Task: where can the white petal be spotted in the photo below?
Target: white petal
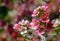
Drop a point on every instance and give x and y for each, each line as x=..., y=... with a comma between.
x=13, y=27
x=16, y=24
x=26, y=21
x=19, y=23
x=25, y=31
x=22, y=33
x=22, y=21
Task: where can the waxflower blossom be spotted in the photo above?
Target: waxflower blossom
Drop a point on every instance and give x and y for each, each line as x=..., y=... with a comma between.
x=37, y=10
x=21, y=26
x=42, y=12
x=23, y=30
x=37, y=33
x=44, y=18
x=38, y=25
x=34, y=24
x=29, y=29
x=16, y=26
x=24, y=22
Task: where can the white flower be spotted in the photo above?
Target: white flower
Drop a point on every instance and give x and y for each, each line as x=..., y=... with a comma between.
x=23, y=30
x=23, y=22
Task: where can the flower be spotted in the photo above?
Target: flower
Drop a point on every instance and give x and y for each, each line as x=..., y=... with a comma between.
x=35, y=13
x=16, y=26
x=23, y=22
x=41, y=29
x=37, y=10
x=40, y=35
x=21, y=26
x=34, y=24
x=44, y=18
x=23, y=30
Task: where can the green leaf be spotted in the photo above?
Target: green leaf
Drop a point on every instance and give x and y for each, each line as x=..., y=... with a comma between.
x=54, y=33
x=1, y=31
x=3, y=11
x=57, y=28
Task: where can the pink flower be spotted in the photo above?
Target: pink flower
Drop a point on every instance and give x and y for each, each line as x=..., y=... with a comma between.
x=37, y=11
x=43, y=18
x=16, y=26
x=41, y=29
x=34, y=24
x=37, y=33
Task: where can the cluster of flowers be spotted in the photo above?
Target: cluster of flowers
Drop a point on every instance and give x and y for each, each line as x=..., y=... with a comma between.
x=30, y=30
x=36, y=29
x=30, y=26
